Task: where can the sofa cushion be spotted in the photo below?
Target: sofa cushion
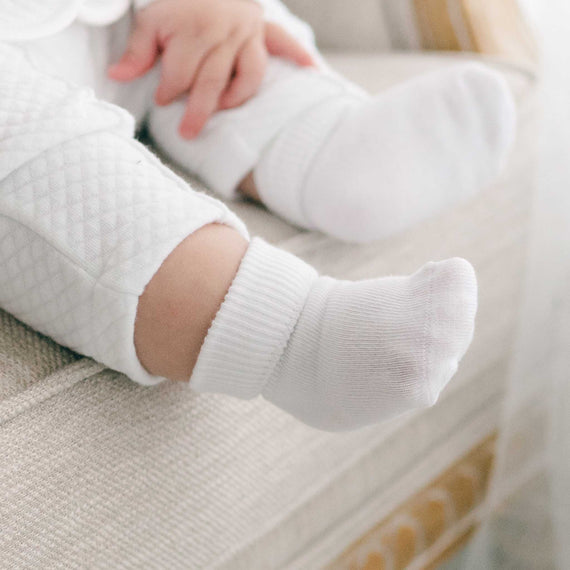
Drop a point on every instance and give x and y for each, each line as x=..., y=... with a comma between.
x=98, y=472
x=26, y=356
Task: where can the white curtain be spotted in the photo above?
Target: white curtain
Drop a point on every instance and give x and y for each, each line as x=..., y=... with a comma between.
x=526, y=520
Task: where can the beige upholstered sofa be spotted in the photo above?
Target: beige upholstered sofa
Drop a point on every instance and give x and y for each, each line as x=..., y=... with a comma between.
x=99, y=473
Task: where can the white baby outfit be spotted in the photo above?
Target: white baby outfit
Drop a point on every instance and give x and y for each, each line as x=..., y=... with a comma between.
x=87, y=216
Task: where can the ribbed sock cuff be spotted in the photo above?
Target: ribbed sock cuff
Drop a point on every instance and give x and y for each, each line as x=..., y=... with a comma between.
x=285, y=164
x=254, y=323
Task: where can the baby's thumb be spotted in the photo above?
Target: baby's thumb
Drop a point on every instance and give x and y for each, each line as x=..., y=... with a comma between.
x=139, y=57
x=281, y=44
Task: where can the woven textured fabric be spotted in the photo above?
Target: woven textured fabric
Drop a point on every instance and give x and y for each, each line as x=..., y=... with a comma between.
x=99, y=473
x=27, y=356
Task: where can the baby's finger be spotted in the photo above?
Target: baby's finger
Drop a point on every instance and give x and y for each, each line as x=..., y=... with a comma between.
x=139, y=57
x=281, y=44
x=249, y=71
x=211, y=81
x=180, y=63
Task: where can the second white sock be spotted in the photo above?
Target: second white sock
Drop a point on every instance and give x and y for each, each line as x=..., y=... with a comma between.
x=364, y=169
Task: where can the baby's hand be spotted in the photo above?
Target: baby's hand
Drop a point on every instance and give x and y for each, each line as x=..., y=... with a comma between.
x=215, y=49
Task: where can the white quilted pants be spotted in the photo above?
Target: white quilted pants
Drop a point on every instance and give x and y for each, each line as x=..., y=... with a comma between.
x=87, y=214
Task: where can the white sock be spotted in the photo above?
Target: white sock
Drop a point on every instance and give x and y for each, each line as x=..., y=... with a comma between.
x=361, y=169
x=337, y=355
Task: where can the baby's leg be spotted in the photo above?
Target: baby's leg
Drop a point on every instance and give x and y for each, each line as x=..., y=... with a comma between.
x=87, y=216
x=180, y=302
x=109, y=253
x=323, y=154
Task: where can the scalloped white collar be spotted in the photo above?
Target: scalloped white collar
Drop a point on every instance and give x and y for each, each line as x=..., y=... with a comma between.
x=31, y=19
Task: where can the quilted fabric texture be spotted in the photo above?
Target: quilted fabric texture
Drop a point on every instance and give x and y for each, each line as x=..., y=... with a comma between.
x=87, y=215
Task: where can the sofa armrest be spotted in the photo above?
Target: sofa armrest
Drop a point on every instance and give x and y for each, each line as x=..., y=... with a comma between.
x=491, y=27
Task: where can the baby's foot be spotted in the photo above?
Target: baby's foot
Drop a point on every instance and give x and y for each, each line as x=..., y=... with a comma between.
x=338, y=355
x=361, y=170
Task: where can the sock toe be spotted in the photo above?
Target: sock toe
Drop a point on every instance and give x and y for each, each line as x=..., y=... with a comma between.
x=451, y=319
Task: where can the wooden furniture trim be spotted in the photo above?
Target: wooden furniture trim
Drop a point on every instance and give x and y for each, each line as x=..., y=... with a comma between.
x=432, y=524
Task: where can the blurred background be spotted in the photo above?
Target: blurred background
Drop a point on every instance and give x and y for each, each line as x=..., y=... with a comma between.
x=524, y=521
